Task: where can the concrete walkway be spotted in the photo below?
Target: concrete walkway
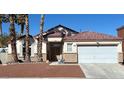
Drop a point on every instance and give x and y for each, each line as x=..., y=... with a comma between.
x=103, y=71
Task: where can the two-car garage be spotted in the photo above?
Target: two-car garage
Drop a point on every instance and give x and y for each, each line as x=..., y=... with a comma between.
x=94, y=47
x=97, y=54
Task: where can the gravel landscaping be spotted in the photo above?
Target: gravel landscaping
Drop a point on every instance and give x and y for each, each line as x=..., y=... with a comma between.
x=40, y=70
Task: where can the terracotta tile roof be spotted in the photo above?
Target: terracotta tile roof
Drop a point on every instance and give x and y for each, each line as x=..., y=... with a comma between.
x=91, y=36
x=55, y=34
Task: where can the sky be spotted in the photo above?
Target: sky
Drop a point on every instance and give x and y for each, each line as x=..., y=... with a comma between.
x=103, y=23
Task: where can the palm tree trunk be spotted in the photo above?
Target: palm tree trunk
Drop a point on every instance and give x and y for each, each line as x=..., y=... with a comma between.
x=27, y=57
x=22, y=29
x=0, y=25
x=13, y=38
x=40, y=56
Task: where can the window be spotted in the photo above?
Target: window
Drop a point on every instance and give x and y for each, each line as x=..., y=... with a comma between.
x=69, y=47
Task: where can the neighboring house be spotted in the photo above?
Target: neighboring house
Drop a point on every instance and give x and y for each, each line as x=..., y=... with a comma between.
x=64, y=43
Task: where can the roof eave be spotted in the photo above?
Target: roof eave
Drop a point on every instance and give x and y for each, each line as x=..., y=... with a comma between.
x=93, y=40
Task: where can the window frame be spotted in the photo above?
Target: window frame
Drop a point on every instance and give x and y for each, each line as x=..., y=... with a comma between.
x=69, y=47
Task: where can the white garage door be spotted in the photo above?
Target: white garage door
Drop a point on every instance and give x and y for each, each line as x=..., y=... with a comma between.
x=97, y=54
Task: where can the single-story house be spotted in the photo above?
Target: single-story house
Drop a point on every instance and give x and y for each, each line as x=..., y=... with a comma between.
x=61, y=42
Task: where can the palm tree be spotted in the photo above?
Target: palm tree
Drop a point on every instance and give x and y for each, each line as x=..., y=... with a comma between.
x=27, y=57
x=40, y=57
x=21, y=22
x=12, y=18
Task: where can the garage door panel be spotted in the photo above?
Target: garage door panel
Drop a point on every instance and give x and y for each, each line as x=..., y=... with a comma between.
x=94, y=54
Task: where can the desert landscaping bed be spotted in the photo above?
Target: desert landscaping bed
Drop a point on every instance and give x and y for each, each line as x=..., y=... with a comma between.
x=40, y=70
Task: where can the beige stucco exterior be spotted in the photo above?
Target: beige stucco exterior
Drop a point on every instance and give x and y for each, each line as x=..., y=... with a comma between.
x=34, y=47
x=18, y=46
x=69, y=57
x=9, y=49
x=54, y=39
x=75, y=44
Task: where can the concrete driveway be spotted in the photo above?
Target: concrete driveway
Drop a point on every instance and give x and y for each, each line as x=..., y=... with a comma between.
x=103, y=71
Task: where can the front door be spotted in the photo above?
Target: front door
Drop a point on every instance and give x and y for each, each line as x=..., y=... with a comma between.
x=55, y=50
